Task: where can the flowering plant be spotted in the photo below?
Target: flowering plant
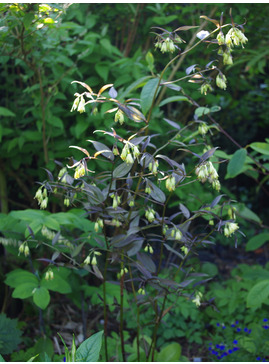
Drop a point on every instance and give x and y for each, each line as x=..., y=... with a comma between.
x=134, y=203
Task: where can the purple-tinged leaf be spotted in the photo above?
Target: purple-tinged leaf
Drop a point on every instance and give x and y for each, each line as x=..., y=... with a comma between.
x=113, y=93
x=186, y=27
x=143, y=270
x=122, y=170
x=168, y=247
x=186, y=283
x=56, y=237
x=190, y=69
x=146, y=261
x=55, y=255
x=102, y=147
x=172, y=123
x=208, y=154
x=135, y=247
x=184, y=210
x=216, y=201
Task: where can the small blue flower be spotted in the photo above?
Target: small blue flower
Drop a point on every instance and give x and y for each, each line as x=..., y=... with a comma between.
x=235, y=342
x=238, y=329
x=232, y=325
x=218, y=324
x=249, y=331
x=225, y=354
x=223, y=327
x=230, y=351
x=265, y=320
x=222, y=347
x=246, y=329
x=219, y=357
x=265, y=327
x=64, y=359
x=235, y=348
x=236, y=322
x=258, y=358
x=217, y=346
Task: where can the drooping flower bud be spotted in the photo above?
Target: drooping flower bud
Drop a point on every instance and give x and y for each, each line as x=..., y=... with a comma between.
x=221, y=81
x=81, y=105
x=119, y=117
x=205, y=88
x=203, y=128
x=170, y=183
x=230, y=228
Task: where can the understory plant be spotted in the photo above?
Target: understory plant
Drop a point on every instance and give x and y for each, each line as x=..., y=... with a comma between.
x=132, y=183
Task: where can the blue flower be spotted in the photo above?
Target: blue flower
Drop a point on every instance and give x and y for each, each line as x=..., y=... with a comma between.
x=235, y=348
x=217, y=346
x=265, y=320
x=246, y=329
x=238, y=329
x=222, y=347
x=235, y=342
x=230, y=351
x=218, y=324
x=236, y=322
x=258, y=358
x=232, y=325
x=265, y=327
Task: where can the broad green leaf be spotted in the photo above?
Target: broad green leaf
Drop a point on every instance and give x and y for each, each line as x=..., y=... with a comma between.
x=25, y=290
x=150, y=60
x=258, y=294
x=262, y=148
x=162, y=20
x=6, y=112
x=245, y=212
x=171, y=352
x=215, y=108
x=257, y=241
x=102, y=68
x=1, y=358
x=200, y=111
x=51, y=223
x=122, y=170
x=236, y=164
x=173, y=99
x=41, y=297
x=27, y=19
x=57, y=284
x=147, y=94
x=19, y=276
x=89, y=350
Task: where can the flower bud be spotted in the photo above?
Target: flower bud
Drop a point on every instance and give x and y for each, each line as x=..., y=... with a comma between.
x=119, y=117
x=221, y=38
x=66, y=202
x=94, y=261
x=100, y=223
x=129, y=159
x=170, y=183
x=221, y=81
x=136, y=152
x=75, y=104
x=205, y=88
x=21, y=249
x=44, y=204
x=125, y=152
x=203, y=128
x=26, y=250
x=96, y=227
x=87, y=260
x=227, y=58
x=178, y=235
x=141, y=291
x=80, y=171
x=81, y=105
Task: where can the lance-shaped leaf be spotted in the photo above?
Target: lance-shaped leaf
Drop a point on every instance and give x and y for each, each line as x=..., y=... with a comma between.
x=156, y=193
x=168, y=247
x=211, y=20
x=146, y=261
x=186, y=27
x=103, y=149
x=132, y=113
x=83, y=150
x=105, y=87
x=147, y=94
x=84, y=85
x=208, y=154
x=122, y=170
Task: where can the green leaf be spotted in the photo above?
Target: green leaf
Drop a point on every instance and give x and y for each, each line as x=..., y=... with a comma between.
x=89, y=350
x=257, y=241
x=245, y=212
x=57, y=284
x=6, y=112
x=27, y=19
x=236, y=164
x=122, y=170
x=173, y=99
x=262, y=148
x=200, y=111
x=25, y=290
x=19, y=276
x=150, y=60
x=102, y=68
x=147, y=94
x=258, y=294
x=171, y=352
x=1, y=358
x=41, y=297
x=51, y=223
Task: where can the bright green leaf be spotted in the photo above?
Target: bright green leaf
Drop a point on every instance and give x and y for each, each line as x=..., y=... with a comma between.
x=89, y=350
x=257, y=241
x=173, y=99
x=171, y=352
x=41, y=297
x=6, y=112
x=258, y=294
x=236, y=164
x=25, y=290
x=19, y=276
x=262, y=148
x=147, y=94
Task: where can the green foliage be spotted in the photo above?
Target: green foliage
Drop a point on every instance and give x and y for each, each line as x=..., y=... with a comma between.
x=10, y=335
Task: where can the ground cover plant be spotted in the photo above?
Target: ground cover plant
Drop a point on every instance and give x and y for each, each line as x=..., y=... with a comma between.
x=142, y=205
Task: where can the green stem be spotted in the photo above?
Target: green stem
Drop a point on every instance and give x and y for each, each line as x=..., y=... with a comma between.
x=121, y=310
x=3, y=193
x=105, y=308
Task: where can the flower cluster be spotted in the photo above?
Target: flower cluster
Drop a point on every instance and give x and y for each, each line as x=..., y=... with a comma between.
x=91, y=258
x=80, y=171
x=42, y=197
x=49, y=275
x=207, y=172
x=150, y=215
x=98, y=224
x=230, y=228
x=119, y=117
x=205, y=88
x=235, y=37
x=129, y=153
x=24, y=249
x=79, y=103
x=166, y=45
x=170, y=183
